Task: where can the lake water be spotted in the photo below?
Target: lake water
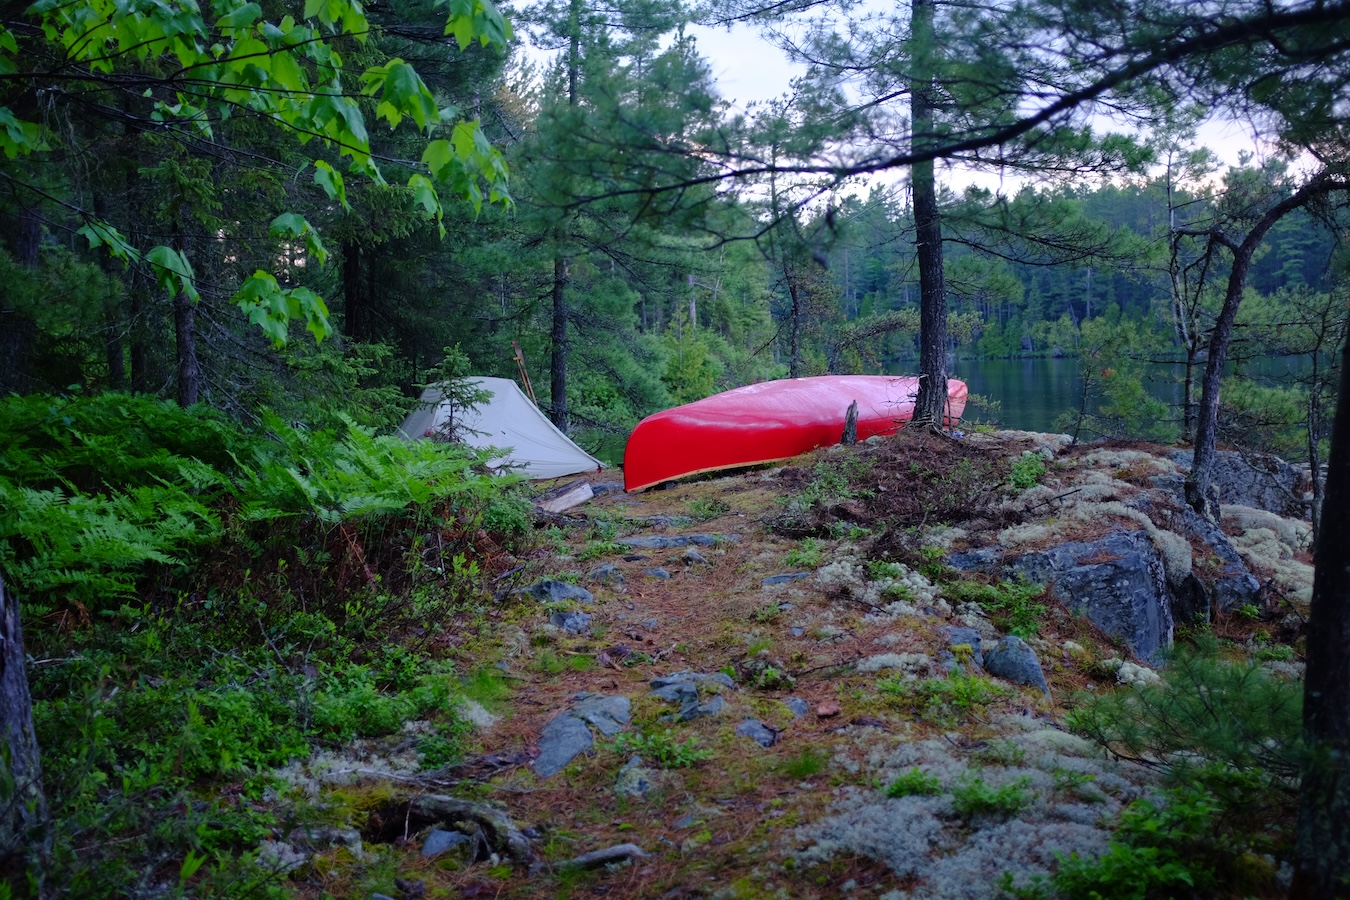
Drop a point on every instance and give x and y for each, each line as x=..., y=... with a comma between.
x=1033, y=393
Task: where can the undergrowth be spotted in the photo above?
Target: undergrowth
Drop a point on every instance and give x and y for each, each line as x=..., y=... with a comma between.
x=210, y=606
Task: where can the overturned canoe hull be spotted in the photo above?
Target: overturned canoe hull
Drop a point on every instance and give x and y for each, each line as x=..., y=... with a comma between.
x=770, y=421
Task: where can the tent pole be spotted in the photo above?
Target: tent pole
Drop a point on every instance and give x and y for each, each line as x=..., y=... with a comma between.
x=524, y=375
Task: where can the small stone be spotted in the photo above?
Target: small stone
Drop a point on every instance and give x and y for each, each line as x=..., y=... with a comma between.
x=758, y=732
x=1015, y=661
x=561, y=741
x=574, y=622
x=685, y=821
x=798, y=706
x=957, y=635
x=703, y=710
x=657, y=572
x=606, y=714
x=827, y=708
x=677, y=693
x=687, y=677
x=550, y=590
x=796, y=632
x=634, y=779
x=651, y=623
x=606, y=572
x=380, y=897
x=439, y=841
x=693, y=557
x=785, y=578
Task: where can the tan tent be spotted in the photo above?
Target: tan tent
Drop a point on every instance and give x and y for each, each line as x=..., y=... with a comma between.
x=507, y=421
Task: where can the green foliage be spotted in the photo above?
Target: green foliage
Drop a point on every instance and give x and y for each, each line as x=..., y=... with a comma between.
x=458, y=395
x=1012, y=605
x=914, y=783
x=945, y=700
x=1114, y=400
x=1264, y=418
x=832, y=480
x=662, y=747
x=144, y=729
x=807, y=555
x=708, y=507
x=1231, y=728
x=1027, y=470
x=972, y=796
x=288, y=75
x=1182, y=845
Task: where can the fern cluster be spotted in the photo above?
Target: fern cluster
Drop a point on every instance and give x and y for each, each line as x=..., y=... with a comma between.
x=101, y=492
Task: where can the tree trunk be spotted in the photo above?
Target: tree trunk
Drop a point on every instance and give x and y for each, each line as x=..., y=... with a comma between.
x=795, y=333
x=114, y=352
x=354, y=306
x=22, y=808
x=17, y=331
x=139, y=354
x=185, y=331
x=558, y=368
x=1207, y=422
x=930, y=405
x=1322, y=855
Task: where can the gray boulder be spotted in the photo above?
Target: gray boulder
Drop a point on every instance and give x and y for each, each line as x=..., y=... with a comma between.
x=684, y=688
x=1254, y=479
x=574, y=622
x=563, y=739
x=606, y=714
x=550, y=590
x=1012, y=660
x=605, y=572
x=1117, y=581
x=758, y=732
x=1220, y=576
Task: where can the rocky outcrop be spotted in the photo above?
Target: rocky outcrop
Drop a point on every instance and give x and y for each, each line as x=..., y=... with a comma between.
x=1117, y=581
x=1258, y=480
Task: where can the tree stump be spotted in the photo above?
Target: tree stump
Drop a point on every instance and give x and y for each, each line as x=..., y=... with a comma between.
x=850, y=425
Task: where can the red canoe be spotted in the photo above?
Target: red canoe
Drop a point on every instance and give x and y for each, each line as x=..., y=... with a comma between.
x=765, y=422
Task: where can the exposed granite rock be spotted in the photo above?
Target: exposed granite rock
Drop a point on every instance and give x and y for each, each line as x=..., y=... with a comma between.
x=438, y=841
x=665, y=542
x=1253, y=479
x=605, y=572
x=957, y=635
x=1117, y=581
